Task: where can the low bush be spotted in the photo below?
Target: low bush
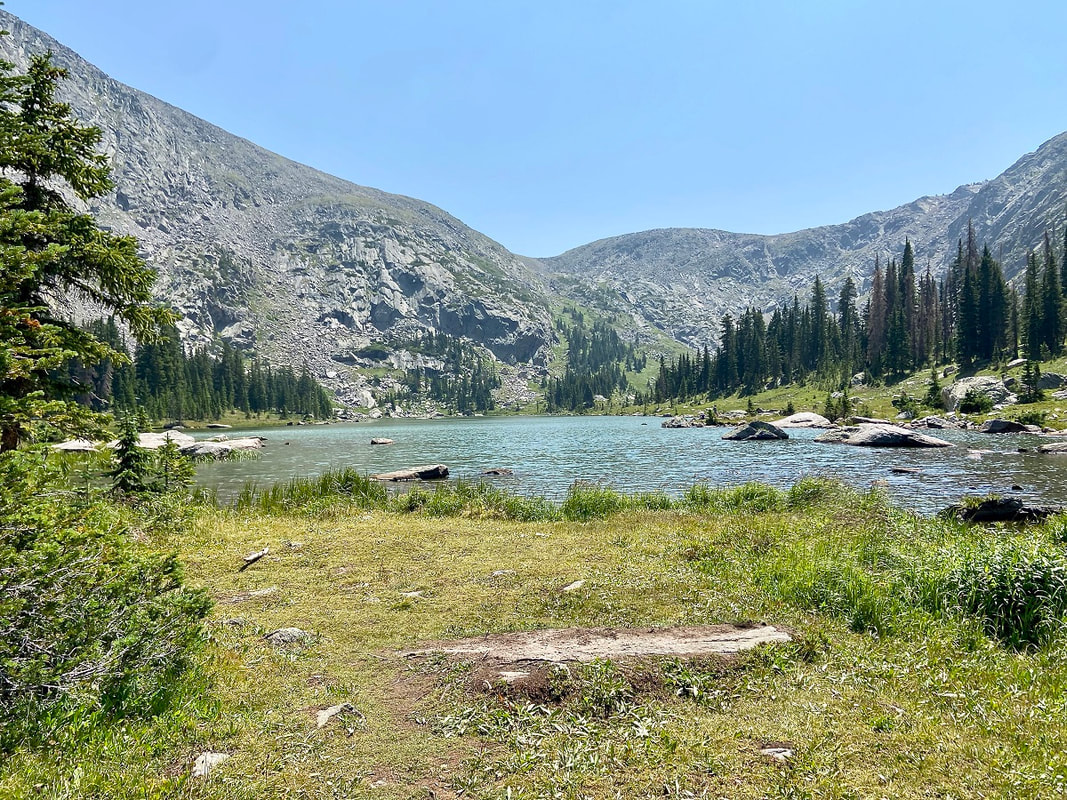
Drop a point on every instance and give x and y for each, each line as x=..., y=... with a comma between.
x=1018, y=591
x=91, y=622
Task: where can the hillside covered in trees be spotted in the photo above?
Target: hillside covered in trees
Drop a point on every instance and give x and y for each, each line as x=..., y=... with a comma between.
x=910, y=321
x=170, y=383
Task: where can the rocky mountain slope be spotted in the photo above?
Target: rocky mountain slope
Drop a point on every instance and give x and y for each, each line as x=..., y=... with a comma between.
x=304, y=267
x=681, y=280
x=300, y=265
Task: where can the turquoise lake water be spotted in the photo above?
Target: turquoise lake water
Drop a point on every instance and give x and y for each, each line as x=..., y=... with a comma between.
x=547, y=454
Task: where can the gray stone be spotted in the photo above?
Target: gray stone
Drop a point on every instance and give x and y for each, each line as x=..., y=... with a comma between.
x=1016, y=362
x=1006, y=426
x=75, y=446
x=381, y=440
x=991, y=387
x=286, y=636
x=1054, y=447
x=880, y=436
x=429, y=472
x=687, y=421
x=1051, y=380
x=1000, y=509
x=936, y=423
x=756, y=430
x=804, y=419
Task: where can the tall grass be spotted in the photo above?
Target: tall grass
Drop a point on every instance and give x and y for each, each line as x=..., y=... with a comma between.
x=583, y=502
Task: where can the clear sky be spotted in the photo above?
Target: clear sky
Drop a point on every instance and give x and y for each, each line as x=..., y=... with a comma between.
x=550, y=124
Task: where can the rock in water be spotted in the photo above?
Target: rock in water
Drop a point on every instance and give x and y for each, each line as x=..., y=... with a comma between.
x=1007, y=426
x=682, y=422
x=430, y=472
x=755, y=431
x=381, y=440
x=804, y=419
x=880, y=436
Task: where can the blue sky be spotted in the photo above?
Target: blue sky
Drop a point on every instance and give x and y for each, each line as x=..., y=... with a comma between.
x=547, y=125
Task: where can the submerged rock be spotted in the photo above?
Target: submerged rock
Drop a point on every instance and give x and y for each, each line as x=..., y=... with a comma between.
x=880, y=436
x=756, y=431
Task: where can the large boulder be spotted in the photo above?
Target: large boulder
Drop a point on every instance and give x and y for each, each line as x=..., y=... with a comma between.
x=430, y=472
x=1055, y=447
x=1006, y=426
x=880, y=436
x=991, y=387
x=804, y=419
x=1051, y=380
x=755, y=431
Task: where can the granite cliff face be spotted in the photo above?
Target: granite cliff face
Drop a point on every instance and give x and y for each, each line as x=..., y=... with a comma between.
x=300, y=265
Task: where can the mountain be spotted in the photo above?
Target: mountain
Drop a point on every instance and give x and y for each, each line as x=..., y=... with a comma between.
x=276, y=256
x=681, y=280
x=304, y=267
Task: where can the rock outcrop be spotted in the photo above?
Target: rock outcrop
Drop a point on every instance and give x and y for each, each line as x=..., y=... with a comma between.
x=755, y=431
x=880, y=436
x=275, y=255
x=985, y=385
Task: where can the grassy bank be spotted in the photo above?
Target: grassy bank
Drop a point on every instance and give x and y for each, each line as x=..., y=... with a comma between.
x=927, y=658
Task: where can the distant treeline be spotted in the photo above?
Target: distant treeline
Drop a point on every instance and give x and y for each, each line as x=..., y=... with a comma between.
x=970, y=315
x=465, y=383
x=172, y=384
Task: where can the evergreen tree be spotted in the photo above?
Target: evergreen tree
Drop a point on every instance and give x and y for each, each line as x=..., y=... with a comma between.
x=48, y=249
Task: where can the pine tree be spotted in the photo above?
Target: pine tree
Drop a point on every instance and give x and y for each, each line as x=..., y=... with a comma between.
x=49, y=250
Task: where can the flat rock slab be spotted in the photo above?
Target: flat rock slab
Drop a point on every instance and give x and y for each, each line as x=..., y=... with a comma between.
x=880, y=436
x=587, y=644
x=804, y=419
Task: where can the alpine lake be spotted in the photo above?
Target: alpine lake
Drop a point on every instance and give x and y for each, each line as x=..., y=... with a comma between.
x=635, y=454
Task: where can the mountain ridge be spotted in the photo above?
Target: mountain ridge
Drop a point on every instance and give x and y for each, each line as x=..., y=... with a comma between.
x=303, y=266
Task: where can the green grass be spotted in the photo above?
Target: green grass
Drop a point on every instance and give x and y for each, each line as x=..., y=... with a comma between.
x=906, y=676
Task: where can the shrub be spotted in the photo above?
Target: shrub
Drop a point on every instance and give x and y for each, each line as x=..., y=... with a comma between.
x=1018, y=592
x=89, y=620
x=974, y=402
